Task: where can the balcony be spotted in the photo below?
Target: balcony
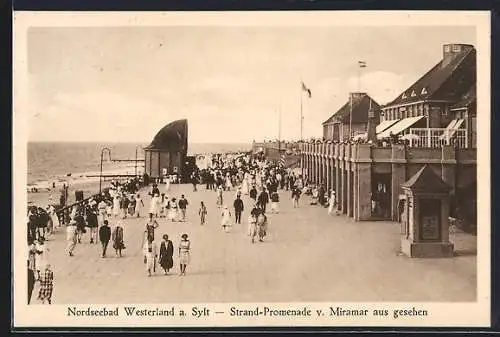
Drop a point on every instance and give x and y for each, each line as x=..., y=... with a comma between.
x=436, y=137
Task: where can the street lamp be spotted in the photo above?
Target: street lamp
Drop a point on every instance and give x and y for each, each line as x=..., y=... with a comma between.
x=137, y=147
x=100, y=174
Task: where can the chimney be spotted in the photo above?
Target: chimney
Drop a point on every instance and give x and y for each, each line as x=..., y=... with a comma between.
x=356, y=96
x=450, y=51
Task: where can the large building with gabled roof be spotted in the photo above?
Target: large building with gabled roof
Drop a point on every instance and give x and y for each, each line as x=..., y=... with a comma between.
x=336, y=127
x=434, y=101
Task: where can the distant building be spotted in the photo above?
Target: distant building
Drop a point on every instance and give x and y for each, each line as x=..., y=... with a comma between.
x=167, y=153
x=440, y=106
x=336, y=128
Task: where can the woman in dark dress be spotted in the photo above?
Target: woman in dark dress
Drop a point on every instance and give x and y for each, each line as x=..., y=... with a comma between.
x=166, y=253
x=117, y=237
x=92, y=224
x=80, y=224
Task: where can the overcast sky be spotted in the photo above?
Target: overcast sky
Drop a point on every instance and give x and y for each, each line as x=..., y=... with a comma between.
x=124, y=84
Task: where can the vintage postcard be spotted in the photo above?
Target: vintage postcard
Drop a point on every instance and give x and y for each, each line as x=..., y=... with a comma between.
x=217, y=169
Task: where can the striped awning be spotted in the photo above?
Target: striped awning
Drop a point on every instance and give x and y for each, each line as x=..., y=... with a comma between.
x=399, y=126
x=385, y=124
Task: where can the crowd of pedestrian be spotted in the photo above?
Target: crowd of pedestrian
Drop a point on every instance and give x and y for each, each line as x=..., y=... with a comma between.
x=103, y=218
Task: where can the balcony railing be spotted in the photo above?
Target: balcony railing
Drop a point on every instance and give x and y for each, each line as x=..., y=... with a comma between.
x=436, y=137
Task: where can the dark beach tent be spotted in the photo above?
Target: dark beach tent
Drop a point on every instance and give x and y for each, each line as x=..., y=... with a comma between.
x=172, y=137
x=166, y=155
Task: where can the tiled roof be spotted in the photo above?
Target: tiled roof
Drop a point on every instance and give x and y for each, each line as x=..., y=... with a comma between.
x=426, y=180
x=360, y=107
x=467, y=99
x=438, y=82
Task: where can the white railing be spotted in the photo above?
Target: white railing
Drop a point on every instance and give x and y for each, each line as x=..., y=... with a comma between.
x=435, y=137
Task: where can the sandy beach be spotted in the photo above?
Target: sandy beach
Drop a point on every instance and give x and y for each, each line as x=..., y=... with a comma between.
x=88, y=182
x=44, y=197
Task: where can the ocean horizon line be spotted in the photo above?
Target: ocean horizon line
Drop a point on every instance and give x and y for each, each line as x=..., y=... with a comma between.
x=128, y=142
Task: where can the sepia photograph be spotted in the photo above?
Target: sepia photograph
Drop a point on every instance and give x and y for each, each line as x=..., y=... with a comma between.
x=251, y=169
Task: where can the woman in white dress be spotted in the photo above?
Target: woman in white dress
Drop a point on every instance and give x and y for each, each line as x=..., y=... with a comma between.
x=139, y=204
x=229, y=184
x=252, y=227
x=109, y=209
x=173, y=212
x=73, y=213
x=116, y=206
x=331, y=202
x=55, y=219
x=154, y=207
x=184, y=253
x=244, y=184
x=167, y=185
x=151, y=252
x=41, y=258
x=226, y=219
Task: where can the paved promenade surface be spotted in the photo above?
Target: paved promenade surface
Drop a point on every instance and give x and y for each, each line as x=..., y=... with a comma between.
x=307, y=256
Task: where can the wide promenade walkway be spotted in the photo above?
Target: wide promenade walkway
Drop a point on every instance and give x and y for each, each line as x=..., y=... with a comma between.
x=308, y=256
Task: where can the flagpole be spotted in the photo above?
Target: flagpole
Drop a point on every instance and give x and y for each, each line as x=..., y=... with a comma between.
x=279, y=129
x=350, y=116
x=301, y=117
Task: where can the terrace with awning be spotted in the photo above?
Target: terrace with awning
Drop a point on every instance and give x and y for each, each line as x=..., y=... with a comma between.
x=399, y=126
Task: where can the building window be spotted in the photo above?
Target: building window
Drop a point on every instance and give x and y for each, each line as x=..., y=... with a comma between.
x=456, y=48
x=413, y=94
x=404, y=95
x=402, y=113
x=447, y=48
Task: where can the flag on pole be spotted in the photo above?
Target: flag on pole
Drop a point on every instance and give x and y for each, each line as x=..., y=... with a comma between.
x=362, y=64
x=306, y=89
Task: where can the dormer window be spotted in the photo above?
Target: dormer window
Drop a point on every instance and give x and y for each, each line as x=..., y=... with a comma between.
x=424, y=91
x=413, y=94
x=403, y=96
x=447, y=48
x=456, y=48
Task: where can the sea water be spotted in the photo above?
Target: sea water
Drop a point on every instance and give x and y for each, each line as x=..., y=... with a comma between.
x=74, y=162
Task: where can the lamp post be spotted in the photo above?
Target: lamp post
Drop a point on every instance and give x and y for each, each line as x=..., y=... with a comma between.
x=136, y=148
x=100, y=174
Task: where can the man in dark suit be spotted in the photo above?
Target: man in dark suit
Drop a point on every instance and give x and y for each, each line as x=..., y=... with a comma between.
x=104, y=236
x=263, y=199
x=238, y=208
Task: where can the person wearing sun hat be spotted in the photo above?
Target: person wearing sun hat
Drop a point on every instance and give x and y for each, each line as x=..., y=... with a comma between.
x=184, y=253
x=166, y=253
